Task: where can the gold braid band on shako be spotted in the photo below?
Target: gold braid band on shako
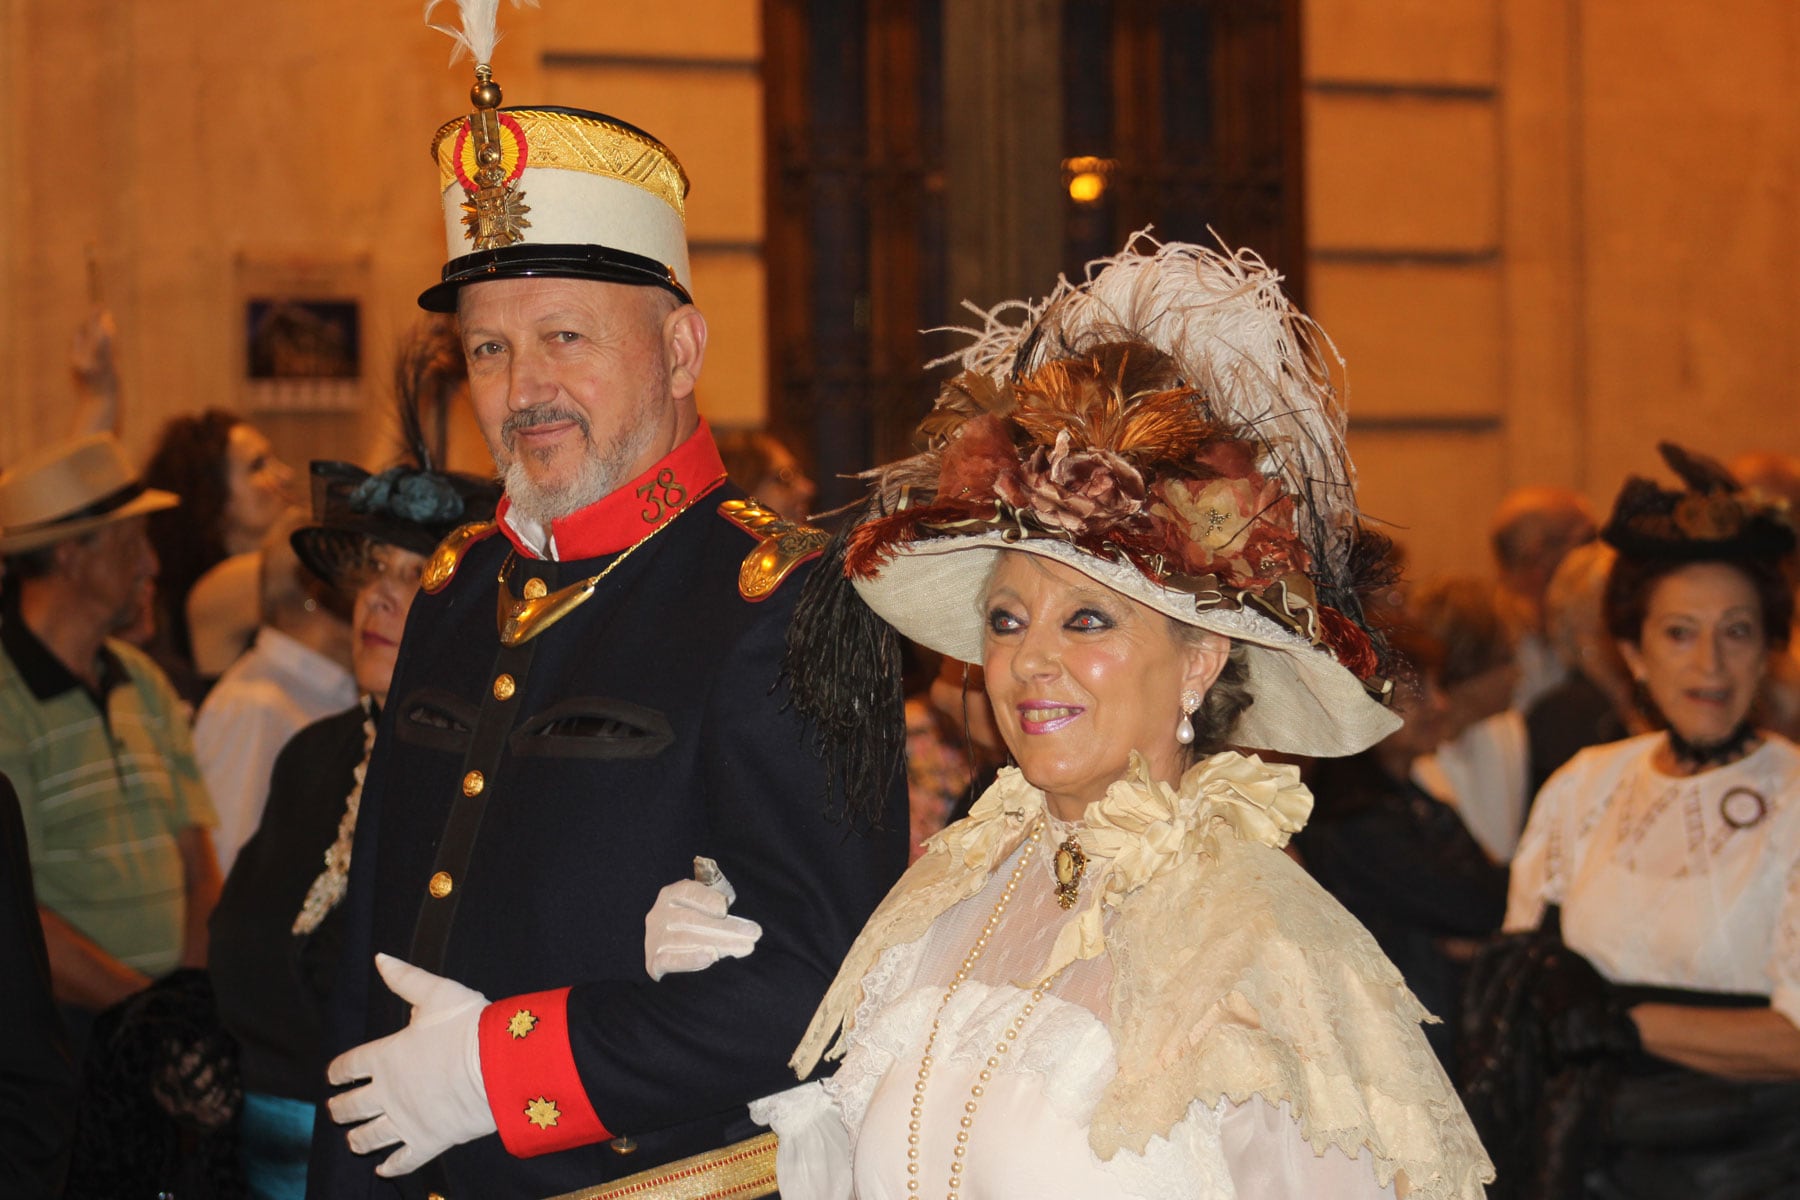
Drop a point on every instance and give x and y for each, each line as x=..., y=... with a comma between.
x=565, y=140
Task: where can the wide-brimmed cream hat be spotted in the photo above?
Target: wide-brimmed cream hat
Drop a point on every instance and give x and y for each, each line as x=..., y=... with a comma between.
x=70, y=489
x=1304, y=701
x=1168, y=427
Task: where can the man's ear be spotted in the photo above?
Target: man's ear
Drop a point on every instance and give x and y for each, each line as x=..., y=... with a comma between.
x=69, y=553
x=684, y=349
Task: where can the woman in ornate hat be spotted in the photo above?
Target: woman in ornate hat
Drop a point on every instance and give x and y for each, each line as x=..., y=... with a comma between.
x=275, y=934
x=1672, y=859
x=1136, y=513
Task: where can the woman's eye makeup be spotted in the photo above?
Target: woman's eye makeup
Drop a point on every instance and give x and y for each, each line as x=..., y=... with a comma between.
x=1088, y=620
x=1001, y=621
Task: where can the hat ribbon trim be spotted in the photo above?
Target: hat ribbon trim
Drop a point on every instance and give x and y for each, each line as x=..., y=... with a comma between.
x=111, y=502
x=1286, y=601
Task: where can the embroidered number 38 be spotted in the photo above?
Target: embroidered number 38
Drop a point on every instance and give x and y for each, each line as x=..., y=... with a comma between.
x=662, y=495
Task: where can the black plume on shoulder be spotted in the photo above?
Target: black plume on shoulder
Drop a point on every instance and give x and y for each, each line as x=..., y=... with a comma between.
x=842, y=668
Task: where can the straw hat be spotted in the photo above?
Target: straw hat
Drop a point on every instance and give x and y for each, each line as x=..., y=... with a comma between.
x=70, y=489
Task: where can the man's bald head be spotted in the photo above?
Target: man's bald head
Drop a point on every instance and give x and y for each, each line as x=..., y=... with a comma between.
x=1533, y=529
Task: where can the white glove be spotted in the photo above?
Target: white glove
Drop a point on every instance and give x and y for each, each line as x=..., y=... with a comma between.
x=690, y=928
x=424, y=1092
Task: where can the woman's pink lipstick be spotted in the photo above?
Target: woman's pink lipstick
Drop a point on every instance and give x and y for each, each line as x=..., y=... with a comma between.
x=1051, y=717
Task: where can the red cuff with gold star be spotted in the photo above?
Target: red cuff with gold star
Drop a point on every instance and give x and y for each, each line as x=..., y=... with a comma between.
x=529, y=1071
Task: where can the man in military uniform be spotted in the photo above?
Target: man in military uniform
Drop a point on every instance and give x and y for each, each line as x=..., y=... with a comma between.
x=586, y=701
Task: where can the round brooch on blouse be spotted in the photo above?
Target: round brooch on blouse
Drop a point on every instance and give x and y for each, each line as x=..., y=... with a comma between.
x=1742, y=807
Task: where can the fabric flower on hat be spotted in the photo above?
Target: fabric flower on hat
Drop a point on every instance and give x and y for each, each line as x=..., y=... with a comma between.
x=975, y=459
x=1709, y=516
x=1239, y=529
x=1074, y=491
x=409, y=494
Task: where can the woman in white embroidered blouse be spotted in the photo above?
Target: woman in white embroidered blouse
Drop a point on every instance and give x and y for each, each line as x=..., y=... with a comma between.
x=1135, y=512
x=1673, y=855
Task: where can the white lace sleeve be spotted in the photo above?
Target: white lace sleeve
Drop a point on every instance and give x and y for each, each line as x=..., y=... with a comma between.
x=1538, y=864
x=812, y=1160
x=868, y=1050
x=1784, y=958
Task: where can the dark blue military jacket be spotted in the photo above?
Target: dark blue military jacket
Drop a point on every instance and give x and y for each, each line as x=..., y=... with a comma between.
x=644, y=728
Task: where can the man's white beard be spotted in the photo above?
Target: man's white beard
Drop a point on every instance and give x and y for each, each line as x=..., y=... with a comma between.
x=596, y=476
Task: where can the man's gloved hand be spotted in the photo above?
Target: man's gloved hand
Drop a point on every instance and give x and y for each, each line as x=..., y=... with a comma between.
x=690, y=928
x=424, y=1092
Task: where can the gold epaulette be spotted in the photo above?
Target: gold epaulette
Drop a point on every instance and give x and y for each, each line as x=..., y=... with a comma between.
x=781, y=546
x=449, y=554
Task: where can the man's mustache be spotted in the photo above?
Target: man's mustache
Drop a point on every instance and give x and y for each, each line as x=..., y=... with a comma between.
x=542, y=415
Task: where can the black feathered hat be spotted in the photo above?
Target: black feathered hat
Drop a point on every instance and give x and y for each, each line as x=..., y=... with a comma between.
x=412, y=504
x=405, y=506
x=1712, y=519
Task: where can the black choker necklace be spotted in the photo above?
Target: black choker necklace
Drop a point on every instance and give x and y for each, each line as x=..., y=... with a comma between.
x=1699, y=756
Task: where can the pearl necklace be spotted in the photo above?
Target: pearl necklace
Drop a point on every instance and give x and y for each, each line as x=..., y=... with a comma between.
x=960, y=1150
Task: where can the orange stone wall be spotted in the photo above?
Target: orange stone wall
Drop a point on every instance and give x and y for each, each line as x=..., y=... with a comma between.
x=1546, y=234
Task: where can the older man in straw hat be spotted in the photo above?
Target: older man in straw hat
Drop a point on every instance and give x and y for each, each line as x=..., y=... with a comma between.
x=92, y=735
x=586, y=704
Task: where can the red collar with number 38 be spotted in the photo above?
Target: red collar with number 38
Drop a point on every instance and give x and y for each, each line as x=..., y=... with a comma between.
x=624, y=516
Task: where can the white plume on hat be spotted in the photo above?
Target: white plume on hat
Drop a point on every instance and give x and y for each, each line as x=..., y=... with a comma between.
x=479, y=32
x=1266, y=366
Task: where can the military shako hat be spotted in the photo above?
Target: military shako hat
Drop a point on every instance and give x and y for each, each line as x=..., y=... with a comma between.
x=546, y=191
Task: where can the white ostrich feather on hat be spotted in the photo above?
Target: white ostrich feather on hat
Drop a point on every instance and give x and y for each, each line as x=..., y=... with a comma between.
x=1265, y=367
x=480, y=30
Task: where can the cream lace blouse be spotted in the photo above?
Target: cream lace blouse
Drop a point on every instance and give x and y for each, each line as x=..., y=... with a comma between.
x=1214, y=1025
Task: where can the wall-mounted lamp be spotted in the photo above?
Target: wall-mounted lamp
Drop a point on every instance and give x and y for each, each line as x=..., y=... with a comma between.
x=1087, y=178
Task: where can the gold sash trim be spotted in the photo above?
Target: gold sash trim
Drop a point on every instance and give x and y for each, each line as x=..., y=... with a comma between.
x=743, y=1171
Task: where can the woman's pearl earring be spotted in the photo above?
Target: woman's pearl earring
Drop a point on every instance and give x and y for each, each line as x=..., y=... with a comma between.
x=1184, y=730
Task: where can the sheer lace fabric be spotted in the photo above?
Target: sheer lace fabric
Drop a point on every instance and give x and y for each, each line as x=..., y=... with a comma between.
x=1029, y=1135
x=1201, y=982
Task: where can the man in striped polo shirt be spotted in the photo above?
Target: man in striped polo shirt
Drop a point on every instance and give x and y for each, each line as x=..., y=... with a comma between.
x=92, y=735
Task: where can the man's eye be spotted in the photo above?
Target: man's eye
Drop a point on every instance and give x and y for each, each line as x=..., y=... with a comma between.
x=484, y=350
x=565, y=336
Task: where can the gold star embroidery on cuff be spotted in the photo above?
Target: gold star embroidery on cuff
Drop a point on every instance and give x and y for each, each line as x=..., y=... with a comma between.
x=521, y=1024
x=542, y=1113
